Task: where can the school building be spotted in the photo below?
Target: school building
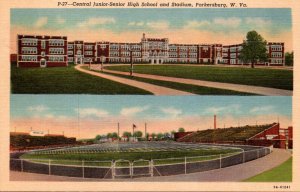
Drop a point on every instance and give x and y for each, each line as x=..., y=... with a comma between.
x=55, y=51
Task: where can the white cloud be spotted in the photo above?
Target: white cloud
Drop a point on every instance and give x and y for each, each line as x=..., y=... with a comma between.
x=171, y=111
x=133, y=23
x=158, y=25
x=60, y=20
x=196, y=24
x=228, y=22
x=227, y=109
x=91, y=112
x=42, y=21
x=262, y=109
x=131, y=111
x=258, y=21
x=94, y=21
x=37, y=108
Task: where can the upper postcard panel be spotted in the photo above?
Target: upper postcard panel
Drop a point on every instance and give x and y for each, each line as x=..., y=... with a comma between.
x=152, y=51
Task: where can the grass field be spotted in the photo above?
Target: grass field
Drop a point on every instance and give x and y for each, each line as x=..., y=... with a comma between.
x=64, y=80
x=200, y=90
x=275, y=78
x=281, y=173
x=162, y=157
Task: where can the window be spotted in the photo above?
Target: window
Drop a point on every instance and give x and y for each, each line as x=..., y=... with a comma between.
x=70, y=46
x=56, y=58
x=88, y=47
x=233, y=49
x=43, y=53
x=276, y=54
x=70, y=59
x=225, y=50
x=205, y=49
x=79, y=52
x=56, y=42
x=232, y=55
x=79, y=46
x=102, y=46
x=276, y=47
x=88, y=52
x=29, y=50
x=28, y=41
x=70, y=52
x=29, y=58
x=58, y=51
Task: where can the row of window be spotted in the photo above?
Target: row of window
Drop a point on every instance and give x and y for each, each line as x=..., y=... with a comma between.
x=56, y=58
x=276, y=47
x=58, y=51
x=29, y=58
x=89, y=47
x=89, y=53
x=29, y=50
x=30, y=42
x=276, y=54
x=56, y=42
x=277, y=61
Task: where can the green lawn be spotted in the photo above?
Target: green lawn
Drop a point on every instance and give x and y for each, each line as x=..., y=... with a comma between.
x=275, y=78
x=281, y=173
x=108, y=156
x=200, y=90
x=64, y=80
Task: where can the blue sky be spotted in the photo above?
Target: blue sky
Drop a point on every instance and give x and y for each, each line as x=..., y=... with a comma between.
x=179, y=25
x=279, y=18
x=150, y=106
x=100, y=114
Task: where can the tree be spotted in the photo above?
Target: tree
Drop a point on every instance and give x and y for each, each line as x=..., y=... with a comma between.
x=109, y=135
x=98, y=137
x=289, y=58
x=254, y=49
x=153, y=135
x=137, y=134
x=126, y=134
x=114, y=135
x=181, y=129
x=160, y=136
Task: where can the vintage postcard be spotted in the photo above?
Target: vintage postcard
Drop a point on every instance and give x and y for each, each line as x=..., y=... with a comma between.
x=149, y=95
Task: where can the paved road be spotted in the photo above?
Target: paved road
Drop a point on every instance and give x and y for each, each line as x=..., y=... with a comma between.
x=234, y=173
x=155, y=89
x=229, y=86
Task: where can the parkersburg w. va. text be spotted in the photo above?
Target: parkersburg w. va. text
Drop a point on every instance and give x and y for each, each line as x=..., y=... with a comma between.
x=150, y=4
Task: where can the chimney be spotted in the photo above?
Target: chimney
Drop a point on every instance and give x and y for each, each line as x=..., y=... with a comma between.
x=215, y=121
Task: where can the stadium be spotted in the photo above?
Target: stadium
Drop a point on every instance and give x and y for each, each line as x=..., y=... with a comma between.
x=193, y=152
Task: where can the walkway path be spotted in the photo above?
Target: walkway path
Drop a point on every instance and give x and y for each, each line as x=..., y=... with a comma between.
x=229, y=86
x=155, y=89
x=234, y=173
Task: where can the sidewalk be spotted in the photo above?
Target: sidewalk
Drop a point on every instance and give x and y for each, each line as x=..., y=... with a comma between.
x=155, y=89
x=229, y=86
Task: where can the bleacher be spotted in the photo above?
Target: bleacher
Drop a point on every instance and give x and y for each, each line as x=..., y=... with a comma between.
x=225, y=135
x=23, y=141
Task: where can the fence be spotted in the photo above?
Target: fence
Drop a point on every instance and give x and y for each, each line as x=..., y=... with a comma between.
x=138, y=168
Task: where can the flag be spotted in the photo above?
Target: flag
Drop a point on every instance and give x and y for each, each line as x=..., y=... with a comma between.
x=133, y=125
